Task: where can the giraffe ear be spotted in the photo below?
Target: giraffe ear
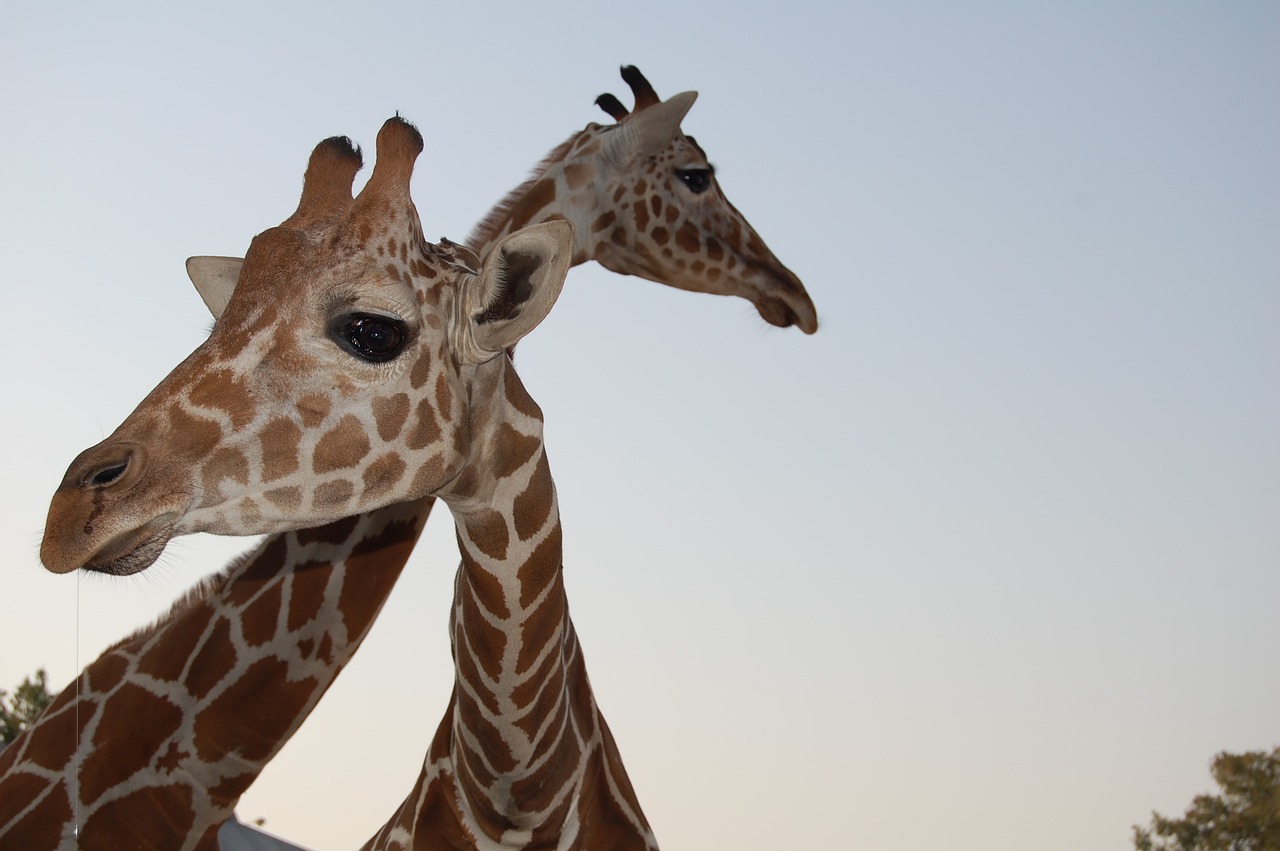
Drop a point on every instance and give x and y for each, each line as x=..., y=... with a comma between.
x=519, y=282
x=647, y=131
x=215, y=279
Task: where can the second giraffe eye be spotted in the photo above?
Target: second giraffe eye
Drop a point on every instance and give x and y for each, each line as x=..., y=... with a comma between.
x=697, y=179
x=372, y=338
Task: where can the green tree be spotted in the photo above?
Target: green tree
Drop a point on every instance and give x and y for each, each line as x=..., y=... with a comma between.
x=1245, y=816
x=24, y=706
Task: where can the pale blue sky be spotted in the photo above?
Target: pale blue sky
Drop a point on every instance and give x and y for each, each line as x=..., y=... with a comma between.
x=990, y=562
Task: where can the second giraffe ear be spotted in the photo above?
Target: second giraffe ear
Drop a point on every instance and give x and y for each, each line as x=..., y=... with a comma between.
x=215, y=279
x=648, y=131
x=520, y=281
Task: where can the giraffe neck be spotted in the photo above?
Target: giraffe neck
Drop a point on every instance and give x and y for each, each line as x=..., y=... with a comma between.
x=177, y=721
x=523, y=758
x=559, y=188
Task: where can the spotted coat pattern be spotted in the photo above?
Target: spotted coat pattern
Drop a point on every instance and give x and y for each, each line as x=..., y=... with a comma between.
x=321, y=627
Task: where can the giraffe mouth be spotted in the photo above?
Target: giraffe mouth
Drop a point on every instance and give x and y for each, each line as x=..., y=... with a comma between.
x=133, y=551
x=782, y=300
x=779, y=313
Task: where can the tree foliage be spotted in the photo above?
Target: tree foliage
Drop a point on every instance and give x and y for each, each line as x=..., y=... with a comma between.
x=1245, y=816
x=23, y=706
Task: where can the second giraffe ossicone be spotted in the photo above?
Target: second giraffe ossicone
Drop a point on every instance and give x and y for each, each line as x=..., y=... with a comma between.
x=382, y=360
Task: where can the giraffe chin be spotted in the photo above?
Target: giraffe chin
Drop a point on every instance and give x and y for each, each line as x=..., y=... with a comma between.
x=132, y=552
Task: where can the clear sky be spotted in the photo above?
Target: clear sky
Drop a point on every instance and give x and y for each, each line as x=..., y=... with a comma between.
x=990, y=562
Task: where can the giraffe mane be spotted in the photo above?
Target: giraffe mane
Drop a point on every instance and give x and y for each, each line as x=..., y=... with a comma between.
x=200, y=591
x=644, y=95
x=499, y=213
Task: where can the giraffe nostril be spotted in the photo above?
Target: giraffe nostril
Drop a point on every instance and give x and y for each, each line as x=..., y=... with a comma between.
x=119, y=464
x=106, y=476
x=107, y=472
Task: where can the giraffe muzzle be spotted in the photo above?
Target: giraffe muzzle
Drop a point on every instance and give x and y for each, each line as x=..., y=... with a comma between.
x=109, y=466
x=86, y=529
x=783, y=301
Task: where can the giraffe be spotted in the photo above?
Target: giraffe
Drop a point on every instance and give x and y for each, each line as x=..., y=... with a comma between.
x=310, y=569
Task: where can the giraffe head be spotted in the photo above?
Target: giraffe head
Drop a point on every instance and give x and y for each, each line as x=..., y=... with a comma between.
x=337, y=379
x=659, y=211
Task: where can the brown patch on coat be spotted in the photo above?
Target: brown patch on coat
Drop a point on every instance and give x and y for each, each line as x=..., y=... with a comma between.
x=382, y=475
x=288, y=500
x=41, y=825
x=332, y=494
x=512, y=451
x=225, y=463
x=487, y=529
x=688, y=238
x=258, y=622
x=309, y=582
x=374, y=565
x=603, y=221
x=332, y=534
x=421, y=370
x=131, y=721
x=215, y=659
x=390, y=414
x=485, y=641
x=537, y=197
x=280, y=439
x=194, y=437
x=137, y=813
x=342, y=447
x=263, y=566
x=106, y=672
x=313, y=408
x=444, y=395
x=166, y=659
x=222, y=390
x=239, y=720
x=425, y=430
x=578, y=175
x=540, y=625
x=533, y=507
x=715, y=251
x=641, y=212
x=541, y=568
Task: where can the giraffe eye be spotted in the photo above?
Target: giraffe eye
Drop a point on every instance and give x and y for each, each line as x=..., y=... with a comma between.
x=372, y=338
x=697, y=179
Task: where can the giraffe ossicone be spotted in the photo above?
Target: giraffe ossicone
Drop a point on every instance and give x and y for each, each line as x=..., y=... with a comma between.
x=335, y=380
